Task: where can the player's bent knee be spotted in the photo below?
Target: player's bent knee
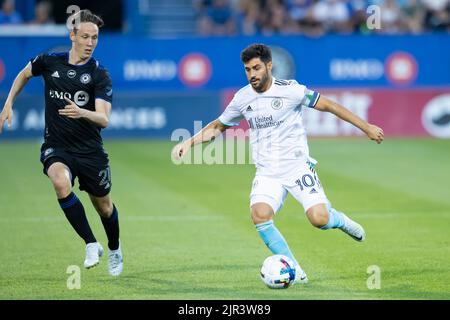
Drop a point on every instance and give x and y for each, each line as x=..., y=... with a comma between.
x=261, y=213
x=104, y=207
x=318, y=215
x=62, y=188
x=61, y=183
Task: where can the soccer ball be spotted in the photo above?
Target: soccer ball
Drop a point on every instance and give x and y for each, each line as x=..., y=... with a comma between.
x=278, y=272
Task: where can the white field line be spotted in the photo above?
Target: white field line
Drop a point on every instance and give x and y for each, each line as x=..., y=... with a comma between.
x=366, y=215
x=121, y=218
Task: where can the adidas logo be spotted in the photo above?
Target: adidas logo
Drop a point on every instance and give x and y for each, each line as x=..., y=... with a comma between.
x=55, y=74
x=249, y=108
x=313, y=191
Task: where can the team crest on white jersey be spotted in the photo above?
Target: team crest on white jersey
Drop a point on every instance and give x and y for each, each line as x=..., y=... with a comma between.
x=277, y=103
x=71, y=73
x=85, y=78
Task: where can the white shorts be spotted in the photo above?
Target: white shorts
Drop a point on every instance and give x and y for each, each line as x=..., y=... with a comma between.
x=302, y=183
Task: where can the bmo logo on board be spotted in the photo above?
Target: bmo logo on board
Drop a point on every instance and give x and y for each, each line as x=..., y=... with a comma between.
x=194, y=70
x=401, y=68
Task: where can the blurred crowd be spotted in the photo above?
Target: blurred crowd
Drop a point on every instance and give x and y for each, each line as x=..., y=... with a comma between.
x=52, y=13
x=267, y=17
x=42, y=13
x=317, y=17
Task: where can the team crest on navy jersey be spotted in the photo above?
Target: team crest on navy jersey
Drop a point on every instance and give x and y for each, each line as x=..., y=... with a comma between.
x=71, y=73
x=85, y=78
x=277, y=104
x=81, y=98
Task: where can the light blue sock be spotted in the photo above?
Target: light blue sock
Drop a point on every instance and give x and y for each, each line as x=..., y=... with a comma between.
x=274, y=240
x=335, y=219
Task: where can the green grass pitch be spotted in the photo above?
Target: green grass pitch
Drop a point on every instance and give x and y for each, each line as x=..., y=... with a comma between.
x=186, y=230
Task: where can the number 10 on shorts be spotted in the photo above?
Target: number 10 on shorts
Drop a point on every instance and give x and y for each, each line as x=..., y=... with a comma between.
x=307, y=181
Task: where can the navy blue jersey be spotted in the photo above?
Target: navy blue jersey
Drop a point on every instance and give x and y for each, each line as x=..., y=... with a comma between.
x=80, y=83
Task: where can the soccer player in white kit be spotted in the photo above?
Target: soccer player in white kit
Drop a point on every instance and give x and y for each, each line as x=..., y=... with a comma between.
x=273, y=110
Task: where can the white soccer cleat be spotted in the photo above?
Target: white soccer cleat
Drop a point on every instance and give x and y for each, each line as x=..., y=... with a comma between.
x=94, y=251
x=115, y=262
x=353, y=229
x=300, y=276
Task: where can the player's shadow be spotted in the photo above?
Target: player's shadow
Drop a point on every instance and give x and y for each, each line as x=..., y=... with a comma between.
x=181, y=280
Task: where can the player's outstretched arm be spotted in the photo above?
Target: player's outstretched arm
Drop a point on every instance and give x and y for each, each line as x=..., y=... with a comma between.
x=373, y=132
x=17, y=86
x=207, y=134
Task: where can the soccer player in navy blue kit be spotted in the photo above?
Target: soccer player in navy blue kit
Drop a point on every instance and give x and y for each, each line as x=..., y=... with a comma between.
x=78, y=96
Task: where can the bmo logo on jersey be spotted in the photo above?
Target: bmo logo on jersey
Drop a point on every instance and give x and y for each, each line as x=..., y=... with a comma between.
x=81, y=98
x=61, y=95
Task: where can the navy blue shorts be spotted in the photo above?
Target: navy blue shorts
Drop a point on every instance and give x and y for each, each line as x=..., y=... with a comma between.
x=92, y=170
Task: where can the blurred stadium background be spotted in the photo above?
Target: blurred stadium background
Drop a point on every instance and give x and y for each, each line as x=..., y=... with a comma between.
x=173, y=62
x=176, y=62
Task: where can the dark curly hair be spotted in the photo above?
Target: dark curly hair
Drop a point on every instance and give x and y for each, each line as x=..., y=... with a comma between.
x=256, y=50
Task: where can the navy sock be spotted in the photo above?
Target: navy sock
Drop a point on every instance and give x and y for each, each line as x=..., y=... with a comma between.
x=74, y=211
x=111, y=226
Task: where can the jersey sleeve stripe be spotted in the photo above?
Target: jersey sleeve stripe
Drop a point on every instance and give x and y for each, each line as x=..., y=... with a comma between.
x=314, y=100
x=311, y=98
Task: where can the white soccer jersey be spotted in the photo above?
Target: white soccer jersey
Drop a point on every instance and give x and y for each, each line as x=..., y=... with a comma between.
x=277, y=134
